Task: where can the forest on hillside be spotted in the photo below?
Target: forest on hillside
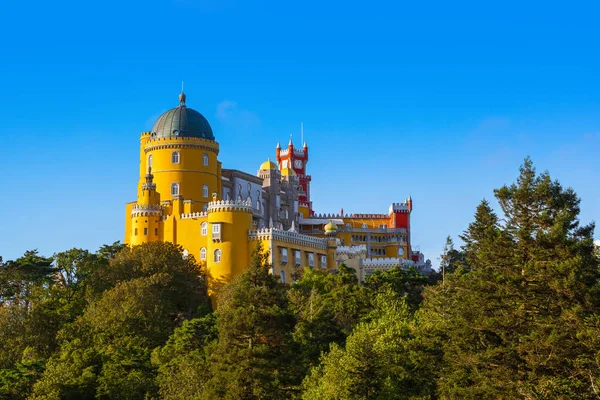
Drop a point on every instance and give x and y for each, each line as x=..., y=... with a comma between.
x=514, y=315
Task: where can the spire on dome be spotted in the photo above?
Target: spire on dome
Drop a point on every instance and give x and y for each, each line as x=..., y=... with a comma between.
x=278, y=145
x=182, y=96
x=305, y=146
x=290, y=143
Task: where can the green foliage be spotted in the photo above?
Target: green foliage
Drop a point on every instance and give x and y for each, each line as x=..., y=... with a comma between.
x=402, y=282
x=513, y=325
x=255, y=354
x=182, y=360
x=328, y=306
x=382, y=359
x=106, y=352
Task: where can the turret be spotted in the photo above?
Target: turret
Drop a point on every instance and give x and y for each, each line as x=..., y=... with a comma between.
x=146, y=213
x=227, y=250
x=331, y=233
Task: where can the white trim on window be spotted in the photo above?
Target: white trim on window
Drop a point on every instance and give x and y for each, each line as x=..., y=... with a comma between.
x=205, y=159
x=204, y=229
x=175, y=157
x=174, y=189
x=217, y=255
x=203, y=254
x=204, y=190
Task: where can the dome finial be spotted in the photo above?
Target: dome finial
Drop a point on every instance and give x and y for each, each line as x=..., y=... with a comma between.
x=182, y=96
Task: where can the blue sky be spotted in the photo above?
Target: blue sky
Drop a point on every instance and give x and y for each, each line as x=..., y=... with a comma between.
x=439, y=100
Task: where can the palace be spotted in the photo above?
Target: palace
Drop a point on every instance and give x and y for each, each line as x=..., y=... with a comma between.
x=219, y=215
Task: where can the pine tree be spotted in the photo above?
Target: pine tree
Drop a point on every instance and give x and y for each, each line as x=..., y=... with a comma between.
x=255, y=354
x=520, y=322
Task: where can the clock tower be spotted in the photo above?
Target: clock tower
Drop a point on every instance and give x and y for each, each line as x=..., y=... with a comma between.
x=296, y=159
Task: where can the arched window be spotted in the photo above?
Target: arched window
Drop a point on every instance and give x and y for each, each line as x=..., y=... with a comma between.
x=282, y=276
x=364, y=226
x=249, y=199
x=218, y=255
x=174, y=189
x=203, y=254
x=204, y=229
x=204, y=190
x=401, y=252
x=150, y=160
x=205, y=159
x=175, y=157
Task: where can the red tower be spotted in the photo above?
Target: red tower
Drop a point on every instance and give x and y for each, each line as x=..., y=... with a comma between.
x=296, y=159
x=400, y=218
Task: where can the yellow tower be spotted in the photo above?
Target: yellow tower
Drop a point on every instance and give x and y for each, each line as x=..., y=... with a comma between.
x=227, y=248
x=182, y=152
x=146, y=214
x=330, y=233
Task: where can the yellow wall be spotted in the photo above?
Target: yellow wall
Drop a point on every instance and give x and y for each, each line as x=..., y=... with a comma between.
x=190, y=172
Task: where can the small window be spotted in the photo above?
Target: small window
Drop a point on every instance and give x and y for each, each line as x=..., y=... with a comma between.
x=145, y=231
x=175, y=157
x=204, y=229
x=311, y=260
x=174, y=189
x=203, y=254
x=217, y=254
x=156, y=231
x=364, y=226
x=282, y=276
x=205, y=159
x=324, y=262
x=150, y=160
x=284, y=255
x=216, y=232
x=401, y=252
x=135, y=232
x=205, y=190
x=297, y=257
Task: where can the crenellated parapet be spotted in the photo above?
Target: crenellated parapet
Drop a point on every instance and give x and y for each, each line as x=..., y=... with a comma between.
x=229, y=205
x=195, y=215
x=177, y=142
x=288, y=237
x=352, y=250
x=144, y=210
x=399, y=207
x=385, y=263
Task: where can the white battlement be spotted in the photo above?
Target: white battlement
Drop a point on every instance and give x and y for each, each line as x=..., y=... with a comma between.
x=145, y=210
x=229, y=205
x=361, y=248
x=195, y=215
x=399, y=207
x=288, y=237
x=387, y=262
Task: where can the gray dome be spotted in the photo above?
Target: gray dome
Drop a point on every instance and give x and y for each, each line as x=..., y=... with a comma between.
x=182, y=122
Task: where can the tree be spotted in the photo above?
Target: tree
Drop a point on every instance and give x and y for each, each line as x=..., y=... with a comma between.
x=519, y=322
x=402, y=282
x=327, y=306
x=106, y=352
x=254, y=357
x=451, y=259
x=382, y=359
x=182, y=366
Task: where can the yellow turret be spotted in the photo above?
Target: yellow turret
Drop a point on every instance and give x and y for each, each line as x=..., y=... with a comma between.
x=146, y=214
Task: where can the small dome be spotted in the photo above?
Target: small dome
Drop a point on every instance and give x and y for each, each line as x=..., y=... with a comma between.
x=288, y=172
x=330, y=227
x=268, y=165
x=182, y=122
